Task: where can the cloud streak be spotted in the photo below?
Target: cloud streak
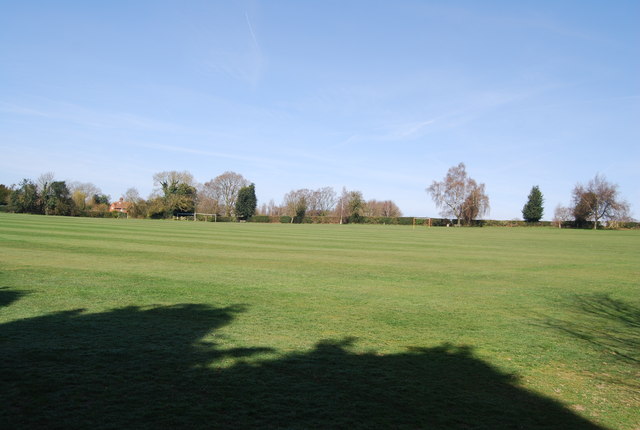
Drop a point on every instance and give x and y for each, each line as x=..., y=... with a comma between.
x=253, y=34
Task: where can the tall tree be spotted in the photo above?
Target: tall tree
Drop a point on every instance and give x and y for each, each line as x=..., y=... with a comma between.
x=57, y=200
x=351, y=205
x=598, y=200
x=533, y=209
x=246, y=202
x=476, y=204
x=386, y=208
x=137, y=205
x=324, y=200
x=25, y=198
x=296, y=203
x=459, y=196
x=561, y=215
x=272, y=209
x=5, y=192
x=224, y=188
x=83, y=194
x=43, y=183
x=179, y=191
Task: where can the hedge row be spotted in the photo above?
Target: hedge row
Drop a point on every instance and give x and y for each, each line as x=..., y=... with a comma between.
x=433, y=222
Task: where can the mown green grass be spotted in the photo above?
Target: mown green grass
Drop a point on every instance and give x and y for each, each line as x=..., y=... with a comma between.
x=111, y=323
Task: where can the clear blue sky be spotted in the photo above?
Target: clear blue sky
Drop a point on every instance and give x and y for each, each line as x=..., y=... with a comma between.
x=381, y=97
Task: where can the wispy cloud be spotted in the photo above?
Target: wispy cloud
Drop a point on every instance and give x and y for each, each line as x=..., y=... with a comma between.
x=80, y=115
x=405, y=131
x=253, y=35
x=241, y=59
x=270, y=161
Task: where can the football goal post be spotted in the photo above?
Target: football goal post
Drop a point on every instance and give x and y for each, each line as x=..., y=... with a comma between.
x=425, y=222
x=195, y=215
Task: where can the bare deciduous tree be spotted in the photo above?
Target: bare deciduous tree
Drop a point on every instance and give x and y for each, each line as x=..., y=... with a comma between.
x=224, y=189
x=44, y=181
x=169, y=181
x=207, y=200
x=561, y=215
x=273, y=210
x=297, y=202
x=350, y=205
x=459, y=196
x=324, y=200
x=82, y=193
x=386, y=208
x=309, y=202
x=598, y=200
x=476, y=204
x=179, y=191
x=137, y=207
x=132, y=195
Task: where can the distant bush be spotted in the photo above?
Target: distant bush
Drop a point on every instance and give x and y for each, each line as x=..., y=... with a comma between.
x=379, y=220
x=285, y=219
x=623, y=225
x=260, y=218
x=324, y=219
x=405, y=220
x=222, y=219
x=440, y=222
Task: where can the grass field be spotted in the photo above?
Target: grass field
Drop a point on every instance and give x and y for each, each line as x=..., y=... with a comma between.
x=161, y=324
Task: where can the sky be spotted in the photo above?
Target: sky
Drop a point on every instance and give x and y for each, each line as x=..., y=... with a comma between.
x=380, y=97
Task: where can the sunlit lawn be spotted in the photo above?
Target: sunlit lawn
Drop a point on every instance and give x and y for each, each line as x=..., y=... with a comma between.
x=136, y=323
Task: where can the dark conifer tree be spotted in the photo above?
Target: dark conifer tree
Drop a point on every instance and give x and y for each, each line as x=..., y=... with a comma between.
x=247, y=202
x=533, y=209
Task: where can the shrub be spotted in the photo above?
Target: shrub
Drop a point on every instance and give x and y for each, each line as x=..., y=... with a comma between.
x=405, y=220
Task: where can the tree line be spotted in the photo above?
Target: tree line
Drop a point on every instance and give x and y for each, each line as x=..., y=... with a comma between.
x=460, y=199
x=229, y=195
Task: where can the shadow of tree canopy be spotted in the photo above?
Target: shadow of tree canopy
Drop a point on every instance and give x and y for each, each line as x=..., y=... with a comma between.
x=137, y=367
x=8, y=296
x=611, y=325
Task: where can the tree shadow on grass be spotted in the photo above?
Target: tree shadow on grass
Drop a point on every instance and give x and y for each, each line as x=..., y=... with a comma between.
x=8, y=296
x=610, y=325
x=147, y=367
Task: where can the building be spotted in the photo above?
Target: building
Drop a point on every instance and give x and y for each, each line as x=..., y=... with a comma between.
x=119, y=206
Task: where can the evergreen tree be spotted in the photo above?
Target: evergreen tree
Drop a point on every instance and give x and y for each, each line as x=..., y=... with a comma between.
x=533, y=209
x=57, y=200
x=247, y=202
x=5, y=193
x=25, y=198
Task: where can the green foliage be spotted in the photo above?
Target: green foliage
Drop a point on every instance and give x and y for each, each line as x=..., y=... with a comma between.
x=260, y=218
x=533, y=209
x=5, y=193
x=57, y=200
x=179, y=195
x=100, y=199
x=405, y=220
x=181, y=199
x=246, y=202
x=158, y=208
x=25, y=198
x=138, y=208
x=285, y=219
x=355, y=218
